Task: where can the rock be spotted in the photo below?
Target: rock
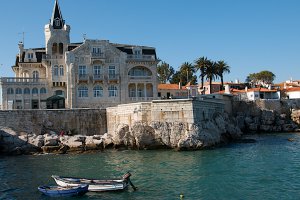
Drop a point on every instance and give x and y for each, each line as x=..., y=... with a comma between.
x=51, y=140
x=50, y=149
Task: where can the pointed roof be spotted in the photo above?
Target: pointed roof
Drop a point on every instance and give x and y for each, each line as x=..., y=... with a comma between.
x=57, y=20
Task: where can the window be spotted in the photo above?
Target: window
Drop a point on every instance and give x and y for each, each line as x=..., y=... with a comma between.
x=26, y=91
x=98, y=91
x=43, y=91
x=61, y=70
x=35, y=91
x=137, y=52
x=18, y=91
x=132, y=92
x=54, y=48
x=82, y=91
x=61, y=48
x=82, y=70
x=140, y=71
x=97, y=70
x=112, y=71
x=96, y=50
x=57, y=22
x=112, y=91
x=55, y=70
x=10, y=91
x=30, y=55
x=35, y=74
x=140, y=92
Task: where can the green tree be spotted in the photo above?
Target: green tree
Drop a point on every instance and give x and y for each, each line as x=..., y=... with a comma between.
x=221, y=68
x=201, y=65
x=164, y=72
x=261, y=78
x=185, y=74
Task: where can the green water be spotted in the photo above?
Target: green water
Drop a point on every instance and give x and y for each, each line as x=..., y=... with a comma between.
x=267, y=169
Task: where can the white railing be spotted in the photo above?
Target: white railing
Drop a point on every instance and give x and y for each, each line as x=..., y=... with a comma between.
x=140, y=57
x=23, y=81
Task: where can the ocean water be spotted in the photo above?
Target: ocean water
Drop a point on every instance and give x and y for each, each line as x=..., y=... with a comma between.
x=267, y=169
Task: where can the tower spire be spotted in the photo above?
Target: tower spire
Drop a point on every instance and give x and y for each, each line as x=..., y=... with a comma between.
x=57, y=20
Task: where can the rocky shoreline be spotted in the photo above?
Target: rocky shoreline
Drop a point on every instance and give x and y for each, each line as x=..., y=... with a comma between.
x=221, y=129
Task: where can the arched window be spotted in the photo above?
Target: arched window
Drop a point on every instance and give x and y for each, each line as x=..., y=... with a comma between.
x=98, y=91
x=54, y=48
x=35, y=74
x=26, y=91
x=18, y=91
x=61, y=48
x=35, y=91
x=112, y=91
x=55, y=70
x=140, y=71
x=82, y=91
x=43, y=91
x=10, y=91
x=61, y=70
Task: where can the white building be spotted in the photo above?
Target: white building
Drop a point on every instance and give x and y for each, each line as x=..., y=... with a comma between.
x=93, y=73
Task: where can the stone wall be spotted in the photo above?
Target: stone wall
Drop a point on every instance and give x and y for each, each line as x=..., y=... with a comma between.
x=182, y=124
x=78, y=121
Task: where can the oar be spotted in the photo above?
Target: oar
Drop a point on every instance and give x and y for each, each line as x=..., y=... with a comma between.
x=134, y=188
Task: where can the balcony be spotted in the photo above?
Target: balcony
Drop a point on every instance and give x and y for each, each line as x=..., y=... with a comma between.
x=113, y=77
x=47, y=58
x=97, y=57
x=141, y=57
x=23, y=81
x=83, y=77
x=140, y=77
x=98, y=77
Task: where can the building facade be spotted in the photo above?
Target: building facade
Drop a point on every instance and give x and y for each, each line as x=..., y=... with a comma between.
x=89, y=74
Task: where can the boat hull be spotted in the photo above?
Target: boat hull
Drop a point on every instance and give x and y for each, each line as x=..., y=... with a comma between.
x=93, y=184
x=58, y=191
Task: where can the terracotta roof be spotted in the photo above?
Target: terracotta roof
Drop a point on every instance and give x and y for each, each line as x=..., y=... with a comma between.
x=293, y=89
x=170, y=87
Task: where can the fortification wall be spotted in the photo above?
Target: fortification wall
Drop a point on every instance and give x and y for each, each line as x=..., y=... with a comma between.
x=78, y=121
x=185, y=111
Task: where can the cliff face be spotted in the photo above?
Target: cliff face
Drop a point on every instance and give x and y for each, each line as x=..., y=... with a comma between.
x=252, y=118
x=175, y=135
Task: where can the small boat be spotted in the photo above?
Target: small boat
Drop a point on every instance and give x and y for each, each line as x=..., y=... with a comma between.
x=96, y=185
x=58, y=191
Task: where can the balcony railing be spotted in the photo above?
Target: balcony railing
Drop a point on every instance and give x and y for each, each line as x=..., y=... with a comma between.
x=49, y=57
x=141, y=57
x=137, y=99
x=140, y=77
x=98, y=77
x=113, y=76
x=83, y=77
x=23, y=81
x=98, y=55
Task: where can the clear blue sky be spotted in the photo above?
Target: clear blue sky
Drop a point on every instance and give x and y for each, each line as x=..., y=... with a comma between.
x=250, y=35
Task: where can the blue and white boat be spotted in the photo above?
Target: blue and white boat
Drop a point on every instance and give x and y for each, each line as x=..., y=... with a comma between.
x=58, y=191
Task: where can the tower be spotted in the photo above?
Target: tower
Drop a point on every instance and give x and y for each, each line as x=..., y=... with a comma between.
x=57, y=33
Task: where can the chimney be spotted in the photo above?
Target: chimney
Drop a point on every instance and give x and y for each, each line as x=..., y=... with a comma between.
x=227, y=90
x=246, y=89
x=21, y=50
x=179, y=86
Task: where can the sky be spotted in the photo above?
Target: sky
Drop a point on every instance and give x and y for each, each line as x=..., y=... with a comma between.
x=249, y=35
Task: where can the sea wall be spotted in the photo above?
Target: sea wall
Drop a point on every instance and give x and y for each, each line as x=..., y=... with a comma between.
x=27, y=131
x=180, y=124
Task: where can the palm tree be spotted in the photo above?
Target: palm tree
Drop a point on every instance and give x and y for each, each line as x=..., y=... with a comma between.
x=211, y=72
x=187, y=71
x=201, y=65
x=222, y=68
